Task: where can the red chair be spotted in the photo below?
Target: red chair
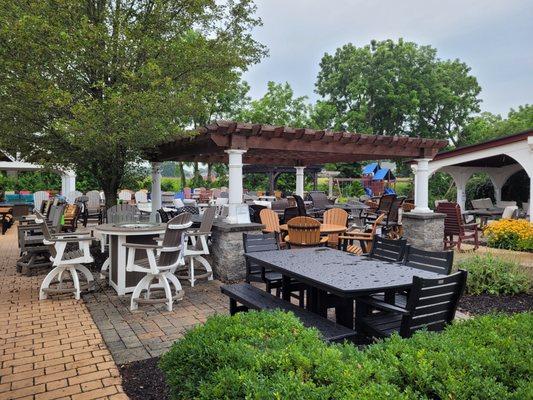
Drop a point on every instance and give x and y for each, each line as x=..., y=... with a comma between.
x=454, y=226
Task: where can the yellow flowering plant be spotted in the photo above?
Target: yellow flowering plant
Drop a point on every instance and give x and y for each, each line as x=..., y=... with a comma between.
x=511, y=234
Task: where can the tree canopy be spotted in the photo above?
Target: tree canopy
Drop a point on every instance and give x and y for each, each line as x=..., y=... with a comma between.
x=394, y=88
x=92, y=83
x=488, y=126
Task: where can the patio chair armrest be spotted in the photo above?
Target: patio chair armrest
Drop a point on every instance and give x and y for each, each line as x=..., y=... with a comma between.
x=71, y=236
x=72, y=240
x=471, y=226
x=142, y=246
x=382, y=305
x=197, y=233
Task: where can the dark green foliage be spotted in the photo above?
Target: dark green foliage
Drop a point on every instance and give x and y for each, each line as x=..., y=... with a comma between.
x=479, y=186
x=441, y=187
x=354, y=189
x=32, y=181
x=262, y=355
x=492, y=275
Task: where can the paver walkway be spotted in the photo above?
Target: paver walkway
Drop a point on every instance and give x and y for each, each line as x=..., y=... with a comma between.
x=48, y=349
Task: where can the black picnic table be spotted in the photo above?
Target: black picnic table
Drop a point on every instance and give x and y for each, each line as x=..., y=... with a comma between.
x=345, y=276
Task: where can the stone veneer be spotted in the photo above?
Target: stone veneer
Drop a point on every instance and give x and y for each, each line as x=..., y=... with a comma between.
x=424, y=230
x=227, y=249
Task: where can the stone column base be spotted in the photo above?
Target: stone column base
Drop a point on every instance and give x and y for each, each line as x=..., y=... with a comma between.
x=227, y=249
x=424, y=231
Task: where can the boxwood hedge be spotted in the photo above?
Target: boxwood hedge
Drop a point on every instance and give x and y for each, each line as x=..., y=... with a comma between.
x=270, y=355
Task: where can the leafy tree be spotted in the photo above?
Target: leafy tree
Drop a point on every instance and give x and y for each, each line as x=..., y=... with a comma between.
x=93, y=84
x=393, y=88
x=277, y=107
x=488, y=126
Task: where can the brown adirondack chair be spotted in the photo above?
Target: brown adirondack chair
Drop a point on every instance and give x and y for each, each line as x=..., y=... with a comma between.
x=454, y=226
x=304, y=232
x=348, y=239
x=270, y=219
x=72, y=212
x=335, y=216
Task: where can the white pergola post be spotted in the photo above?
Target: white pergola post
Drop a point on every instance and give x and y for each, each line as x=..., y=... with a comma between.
x=68, y=182
x=156, y=190
x=422, y=186
x=330, y=186
x=235, y=183
x=300, y=181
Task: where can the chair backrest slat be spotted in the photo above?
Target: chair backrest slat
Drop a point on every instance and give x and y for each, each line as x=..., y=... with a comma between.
x=432, y=303
x=388, y=249
x=433, y=261
x=207, y=219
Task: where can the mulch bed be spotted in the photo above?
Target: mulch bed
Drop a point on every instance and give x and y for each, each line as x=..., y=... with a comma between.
x=489, y=303
x=143, y=380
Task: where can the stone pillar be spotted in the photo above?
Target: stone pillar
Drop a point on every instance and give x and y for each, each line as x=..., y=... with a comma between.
x=227, y=249
x=68, y=182
x=300, y=181
x=235, y=183
x=156, y=190
x=422, y=186
x=424, y=230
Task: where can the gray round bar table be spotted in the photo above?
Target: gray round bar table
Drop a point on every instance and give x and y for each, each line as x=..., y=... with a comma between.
x=133, y=232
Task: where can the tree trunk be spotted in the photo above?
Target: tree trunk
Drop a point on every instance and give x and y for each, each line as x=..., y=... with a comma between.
x=209, y=172
x=182, y=175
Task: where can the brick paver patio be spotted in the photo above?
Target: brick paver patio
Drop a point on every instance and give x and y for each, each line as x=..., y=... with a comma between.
x=150, y=330
x=48, y=349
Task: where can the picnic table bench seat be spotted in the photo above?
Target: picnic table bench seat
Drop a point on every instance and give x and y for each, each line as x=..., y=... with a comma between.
x=254, y=298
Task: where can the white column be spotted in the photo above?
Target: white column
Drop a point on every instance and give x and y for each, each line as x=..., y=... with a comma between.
x=235, y=183
x=330, y=186
x=68, y=182
x=156, y=190
x=461, y=194
x=300, y=181
x=531, y=199
x=422, y=186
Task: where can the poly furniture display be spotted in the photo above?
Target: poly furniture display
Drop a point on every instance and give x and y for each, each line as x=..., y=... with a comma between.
x=431, y=305
x=365, y=238
x=159, y=263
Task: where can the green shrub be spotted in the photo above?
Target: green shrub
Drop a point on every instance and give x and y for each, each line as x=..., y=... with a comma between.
x=270, y=355
x=354, y=189
x=492, y=275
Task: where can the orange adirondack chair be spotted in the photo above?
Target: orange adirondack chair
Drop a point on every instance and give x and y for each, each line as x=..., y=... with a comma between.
x=304, y=232
x=335, y=216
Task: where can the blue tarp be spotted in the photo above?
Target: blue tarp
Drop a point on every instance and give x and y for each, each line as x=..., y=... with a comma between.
x=383, y=173
x=370, y=168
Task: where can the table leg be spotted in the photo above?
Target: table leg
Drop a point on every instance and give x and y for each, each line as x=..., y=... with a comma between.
x=321, y=303
x=286, y=288
x=344, y=312
x=390, y=296
x=361, y=311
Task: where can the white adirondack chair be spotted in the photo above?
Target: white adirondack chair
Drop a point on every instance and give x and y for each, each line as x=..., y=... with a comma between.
x=125, y=195
x=141, y=196
x=160, y=263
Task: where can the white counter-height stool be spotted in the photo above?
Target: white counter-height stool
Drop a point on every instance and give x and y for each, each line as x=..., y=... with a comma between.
x=160, y=263
x=66, y=261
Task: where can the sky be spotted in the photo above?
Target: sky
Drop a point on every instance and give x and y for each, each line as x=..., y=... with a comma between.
x=493, y=37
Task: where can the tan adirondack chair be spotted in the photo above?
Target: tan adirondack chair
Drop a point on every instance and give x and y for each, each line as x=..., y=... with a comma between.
x=335, y=216
x=270, y=219
x=304, y=232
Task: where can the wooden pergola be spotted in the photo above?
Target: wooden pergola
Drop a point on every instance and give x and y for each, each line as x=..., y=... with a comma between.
x=286, y=146
x=236, y=143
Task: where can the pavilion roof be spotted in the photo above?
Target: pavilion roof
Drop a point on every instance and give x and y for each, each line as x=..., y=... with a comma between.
x=282, y=145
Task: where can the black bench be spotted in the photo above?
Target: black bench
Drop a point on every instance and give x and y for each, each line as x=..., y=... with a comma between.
x=254, y=298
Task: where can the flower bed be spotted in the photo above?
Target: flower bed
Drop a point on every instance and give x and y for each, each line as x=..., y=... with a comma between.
x=263, y=355
x=511, y=234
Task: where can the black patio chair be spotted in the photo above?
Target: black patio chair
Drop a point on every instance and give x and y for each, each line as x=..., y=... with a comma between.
x=302, y=212
x=388, y=249
x=431, y=305
x=440, y=262
x=256, y=273
x=290, y=213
